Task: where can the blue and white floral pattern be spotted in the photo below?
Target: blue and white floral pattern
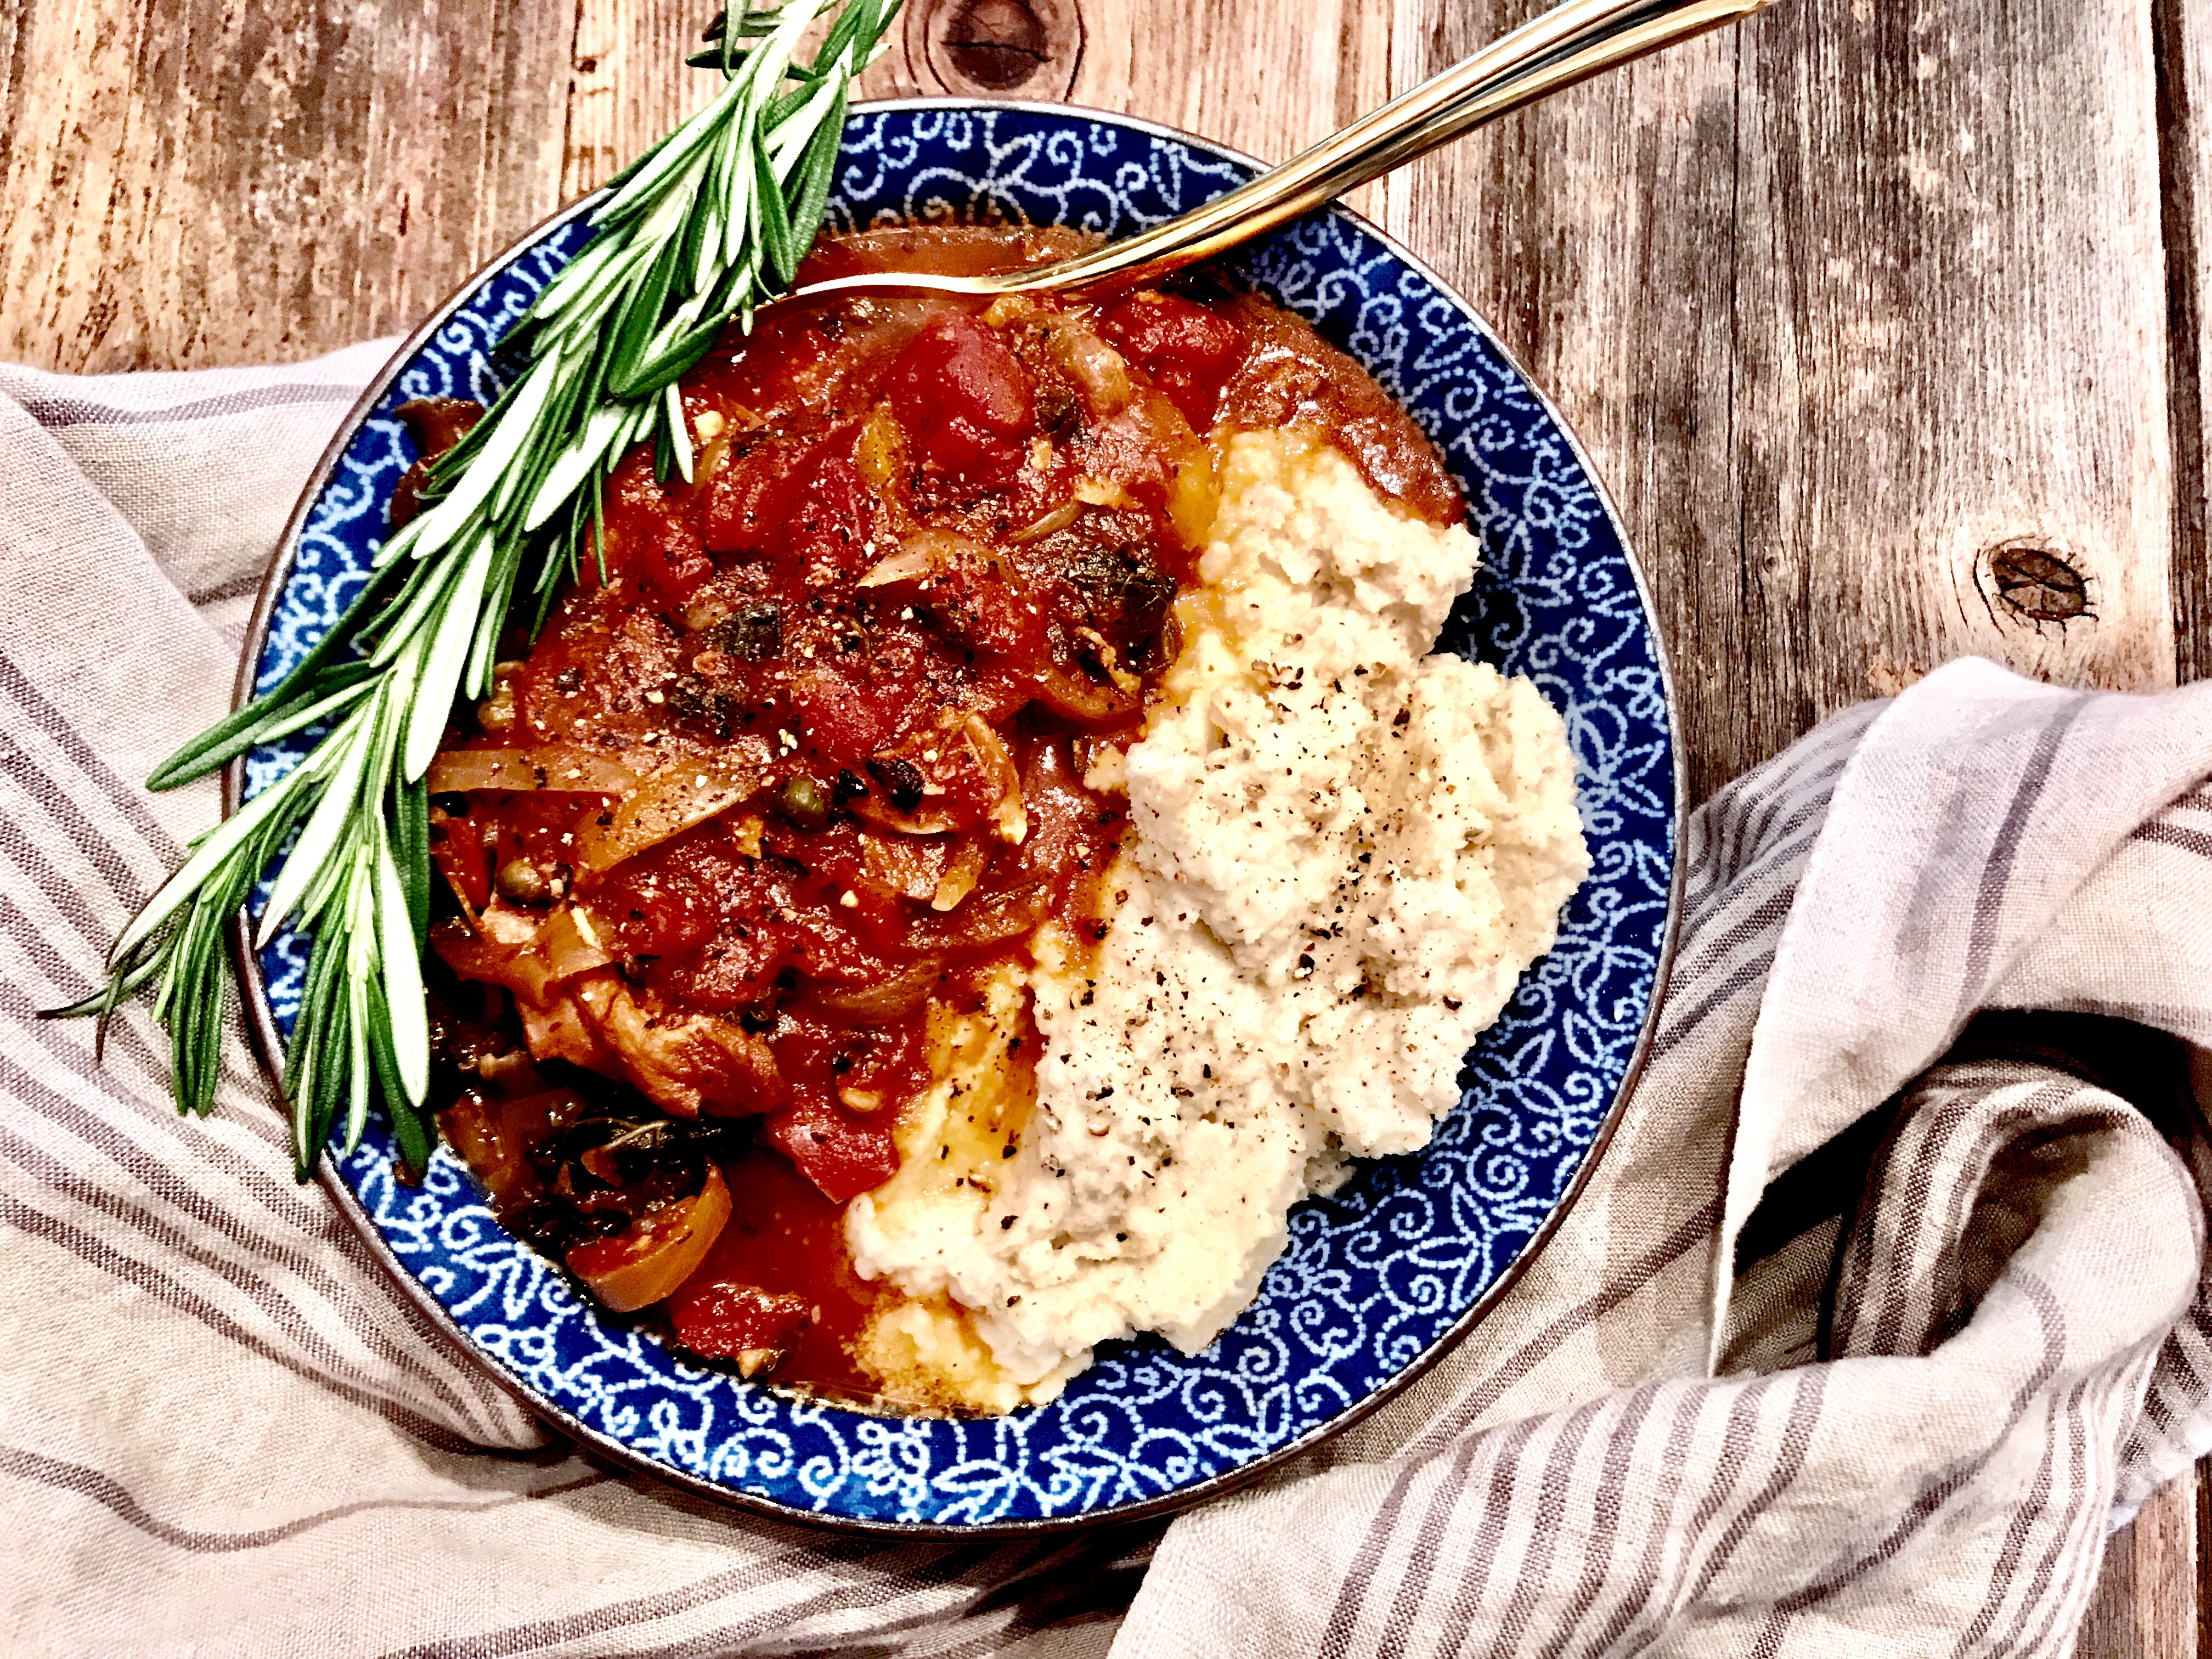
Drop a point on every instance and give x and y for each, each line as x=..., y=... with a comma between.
x=1375, y=1278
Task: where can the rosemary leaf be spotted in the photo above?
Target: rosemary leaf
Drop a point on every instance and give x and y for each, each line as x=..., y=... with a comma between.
x=398, y=946
x=583, y=452
x=775, y=232
x=360, y=965
x=447, y=655
x=818, y=164
x=206, y=860
x=411, y=854
x=325, y=837
x=312, y=1016
x=219, y=746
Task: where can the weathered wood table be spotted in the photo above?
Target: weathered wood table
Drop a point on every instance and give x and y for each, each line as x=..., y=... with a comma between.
x=1882, y=321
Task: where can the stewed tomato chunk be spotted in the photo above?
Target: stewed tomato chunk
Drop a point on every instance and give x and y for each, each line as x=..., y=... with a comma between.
x=743, y=1323
x=962, y=395
x=1189, y=351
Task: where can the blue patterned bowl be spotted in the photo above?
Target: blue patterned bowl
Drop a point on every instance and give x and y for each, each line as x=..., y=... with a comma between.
x=1378, y=1279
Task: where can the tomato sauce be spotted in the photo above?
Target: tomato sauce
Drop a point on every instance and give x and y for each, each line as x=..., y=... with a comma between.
x=804, y=749
x=789, y=1240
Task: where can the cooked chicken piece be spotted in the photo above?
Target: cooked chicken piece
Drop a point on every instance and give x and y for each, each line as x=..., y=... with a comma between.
x=561, y=1030
x=682, y=1062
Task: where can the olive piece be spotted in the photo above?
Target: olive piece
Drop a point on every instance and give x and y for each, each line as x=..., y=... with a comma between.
x=521, y=882
x=902, y=780
x=752, y=635
x=801, y=800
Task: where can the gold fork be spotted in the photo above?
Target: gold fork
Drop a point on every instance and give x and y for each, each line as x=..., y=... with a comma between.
x=1568, y=44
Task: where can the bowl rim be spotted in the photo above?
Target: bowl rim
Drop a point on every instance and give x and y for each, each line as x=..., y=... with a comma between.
x=268, y=1042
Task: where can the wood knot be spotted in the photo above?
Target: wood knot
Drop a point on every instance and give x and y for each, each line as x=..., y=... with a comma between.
x=2037, y=584
x=994, y=48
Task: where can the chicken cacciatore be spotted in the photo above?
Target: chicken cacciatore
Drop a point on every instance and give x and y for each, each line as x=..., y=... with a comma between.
x=826, y=728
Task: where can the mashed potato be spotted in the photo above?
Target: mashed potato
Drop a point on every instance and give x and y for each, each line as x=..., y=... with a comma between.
x=1343, y=854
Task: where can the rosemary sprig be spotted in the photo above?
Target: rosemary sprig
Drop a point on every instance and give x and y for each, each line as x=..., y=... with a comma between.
x=711, y=221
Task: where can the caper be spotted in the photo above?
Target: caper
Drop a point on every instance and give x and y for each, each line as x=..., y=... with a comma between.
x=496, y=713
x=801, y=800
x=521, y=882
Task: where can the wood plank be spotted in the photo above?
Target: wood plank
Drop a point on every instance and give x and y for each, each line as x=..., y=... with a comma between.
x=2146, y=1604
x=1952, y=327
x=2165, y=1543
x=2181, y=1613
x=1593, y=233
x=627, y=84
x=1841, y=329
x=202, y=183
x=2183, y=32
x=1325, y=67
x=1845, y=334
x=2203, y=1553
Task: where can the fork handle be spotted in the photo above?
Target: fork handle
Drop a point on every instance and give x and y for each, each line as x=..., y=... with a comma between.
x=1557, y=49
x=1570, y=43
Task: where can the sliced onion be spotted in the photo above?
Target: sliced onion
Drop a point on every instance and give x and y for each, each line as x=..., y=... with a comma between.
x=571, y=943
x=684, y=1063
x=561, y=1030
x=473, y=1126
x=923, y=821
x=909, y=865
x=1008, y=815
x=1077, y=696
x=681, y=794
x=532, y=965
x=1008, y=914
x=909, y=564
x=925, y=554
x=960, y=877
x=473, y=956
x=1102, y=371
x=495, y=1136
x=890, y=999
x=1058, y=519
x=651, y=1259
x=546, y=766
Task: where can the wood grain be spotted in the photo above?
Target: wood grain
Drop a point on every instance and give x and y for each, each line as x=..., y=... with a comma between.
x=1885, y=325
x=992, y=48
x=1842, y=321
x=2183, y=37
x=627, y=84
x=194, y=182
x=2145, y=1606
x=1593, y=233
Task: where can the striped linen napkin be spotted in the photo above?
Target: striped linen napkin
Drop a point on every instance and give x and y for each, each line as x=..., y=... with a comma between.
x=1884, y=1303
